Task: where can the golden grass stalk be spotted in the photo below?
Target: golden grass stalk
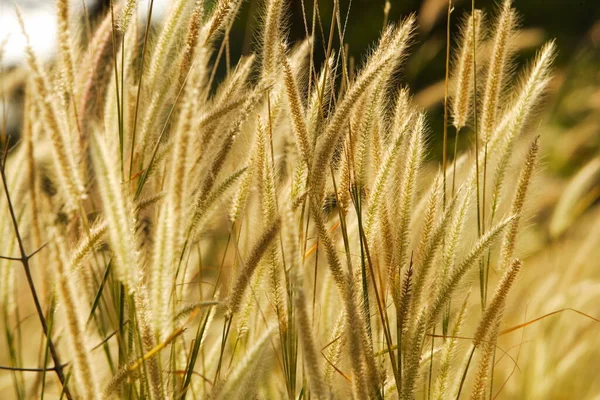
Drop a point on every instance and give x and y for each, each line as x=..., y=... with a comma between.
x=334, y=350
x=129, y=9
x=533, y=85
x=310, y=353
x=118, y=212
x=455, y=233
x=256, y=254
x=450, y=284
x=463, y=80
x=143, y=317
x=244, y=378
x=391, y=47
x=532, y=89
x=88, y=244
x=297, y=111
x=443, y=377
x=377, y=197
x=319, y=100
x=257, y=162
x=487, y=331
x=428, y=221
x=269, y=207
x=69, y=294
x=191, y=39
x=510, y=238
x=91, y=74
x=505, y=27
x=221, y=14
x=354, y=324
x=408, y=186
x=165, y=40
x=412, y=359
x=65, y=45
x=366, y=128
x=426, y=254
x=272, y=38
x=68, y=173
x=482, y=377
x=495, y=308
x=267, y=179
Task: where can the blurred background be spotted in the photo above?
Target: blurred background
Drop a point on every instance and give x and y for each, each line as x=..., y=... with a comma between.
x=561, y=245
x=574, y=24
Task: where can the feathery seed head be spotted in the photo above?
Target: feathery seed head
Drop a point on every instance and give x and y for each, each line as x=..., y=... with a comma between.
x=505, y=28
x=129, y=9
x=463, y=78
x=493, y=311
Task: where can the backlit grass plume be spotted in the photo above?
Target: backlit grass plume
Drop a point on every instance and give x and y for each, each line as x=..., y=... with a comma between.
x=282, y=231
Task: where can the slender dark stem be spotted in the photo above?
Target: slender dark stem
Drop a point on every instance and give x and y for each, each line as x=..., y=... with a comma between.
x=38, y=250
x=5, y=368
x=25, y=262
x=224, y=336
x=462, y=380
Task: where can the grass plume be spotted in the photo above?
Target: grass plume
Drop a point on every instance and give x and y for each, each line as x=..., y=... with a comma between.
x=282, y=230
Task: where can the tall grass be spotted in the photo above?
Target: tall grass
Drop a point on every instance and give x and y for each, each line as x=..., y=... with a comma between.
x=276, y=234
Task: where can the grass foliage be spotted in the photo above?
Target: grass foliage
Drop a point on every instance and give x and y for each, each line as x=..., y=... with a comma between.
x=275, y=234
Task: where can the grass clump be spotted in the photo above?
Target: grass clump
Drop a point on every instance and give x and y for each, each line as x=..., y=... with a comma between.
x=291, y=202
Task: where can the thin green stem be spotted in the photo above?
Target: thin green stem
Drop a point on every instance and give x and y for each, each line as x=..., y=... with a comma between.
x=481, y=271
x=119, y=108
x=140, y=84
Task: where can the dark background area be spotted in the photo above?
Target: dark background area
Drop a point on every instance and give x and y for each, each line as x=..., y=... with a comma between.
x=568, y=21
x=574, y=24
